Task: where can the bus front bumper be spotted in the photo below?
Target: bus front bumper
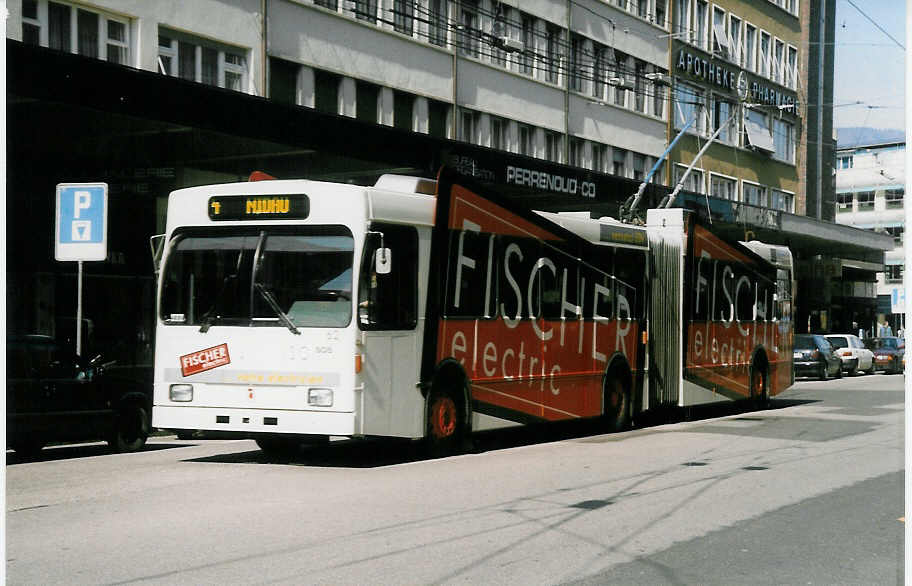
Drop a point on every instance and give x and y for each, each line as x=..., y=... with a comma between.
x=248, y=421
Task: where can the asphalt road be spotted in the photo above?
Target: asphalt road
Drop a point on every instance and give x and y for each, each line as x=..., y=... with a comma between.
x=807, y=492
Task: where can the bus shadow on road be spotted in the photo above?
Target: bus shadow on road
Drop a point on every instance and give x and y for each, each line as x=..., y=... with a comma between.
x=73, y=451
x=382, y=452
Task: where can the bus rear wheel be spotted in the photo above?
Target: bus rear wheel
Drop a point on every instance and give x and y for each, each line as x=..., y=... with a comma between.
x=759, y=386
x=616, y=410
x=446, y=423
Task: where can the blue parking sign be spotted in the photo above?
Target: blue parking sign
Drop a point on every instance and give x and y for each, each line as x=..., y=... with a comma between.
x=81, y=221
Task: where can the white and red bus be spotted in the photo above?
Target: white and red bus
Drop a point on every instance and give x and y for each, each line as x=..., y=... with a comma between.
x=295, y=310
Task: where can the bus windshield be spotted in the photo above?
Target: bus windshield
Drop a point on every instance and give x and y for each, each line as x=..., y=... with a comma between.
x=261, y=276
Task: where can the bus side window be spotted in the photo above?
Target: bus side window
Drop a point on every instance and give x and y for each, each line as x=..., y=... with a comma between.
x=389, y=301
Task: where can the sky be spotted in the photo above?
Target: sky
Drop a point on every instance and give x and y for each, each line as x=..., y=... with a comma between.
x=869, y=65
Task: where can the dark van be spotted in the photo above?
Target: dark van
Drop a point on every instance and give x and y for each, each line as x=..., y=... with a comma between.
x=53, y=395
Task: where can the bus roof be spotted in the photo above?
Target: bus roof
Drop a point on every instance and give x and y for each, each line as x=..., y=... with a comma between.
x=327, y=203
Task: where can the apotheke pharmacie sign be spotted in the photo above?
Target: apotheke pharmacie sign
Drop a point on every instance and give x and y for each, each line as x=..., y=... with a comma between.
x=724, y=77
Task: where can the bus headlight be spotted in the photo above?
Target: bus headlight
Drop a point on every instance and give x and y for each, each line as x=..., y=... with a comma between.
x=320, y=397
x=181, y=393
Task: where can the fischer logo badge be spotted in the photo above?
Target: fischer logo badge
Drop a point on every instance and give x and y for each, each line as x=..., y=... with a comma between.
x=204, y=360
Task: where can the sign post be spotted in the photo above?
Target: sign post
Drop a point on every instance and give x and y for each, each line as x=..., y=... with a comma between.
x=81, y=232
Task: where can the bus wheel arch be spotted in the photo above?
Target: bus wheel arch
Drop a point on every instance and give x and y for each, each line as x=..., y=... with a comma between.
x=617, y=396
x=448, y=411
x=758, y=377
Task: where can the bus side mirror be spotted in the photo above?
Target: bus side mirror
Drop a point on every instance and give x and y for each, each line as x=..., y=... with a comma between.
x=383, y=261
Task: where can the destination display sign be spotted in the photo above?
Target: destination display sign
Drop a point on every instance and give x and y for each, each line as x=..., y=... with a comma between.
x=259, y=207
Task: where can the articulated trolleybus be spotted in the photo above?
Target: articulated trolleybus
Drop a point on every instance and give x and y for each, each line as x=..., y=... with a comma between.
x=291, y=311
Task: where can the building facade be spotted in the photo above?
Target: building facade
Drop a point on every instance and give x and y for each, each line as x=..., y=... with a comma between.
x=578, y=83
x=870, y=194
x=568, y=105
x=737, y=78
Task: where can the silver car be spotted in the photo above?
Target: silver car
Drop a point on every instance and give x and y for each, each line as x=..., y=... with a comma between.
x=851, y=350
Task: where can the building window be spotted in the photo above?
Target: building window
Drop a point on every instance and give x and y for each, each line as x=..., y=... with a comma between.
x=695, y=181
x=688, y=105
x=576, y=79
x=599, y=70
x=756, y=127
x=897, y=233
x=720, y=42
x=31, y=26
x=750, y=47
x=619, y=78
x=403, y=110
x=331, y=4
x=367, y=96
x=894, y=197
x=723, y=187
x=366, y=10
x=782, y=200
x=844, y=202
x=755, y=195
x=194, y=59
x=598, y=157
x=894, y=273
x=660, y=13
x=658, y=97
x=404, y=16
x=501, y=29
x=763, y=57
x=658, y=176
x=845, y=162
x=552, y=52
x=639, y=166
x=576, y=152
x=468, y=126
x=778, y=65
x=283, y=77
x=619, y=162
x=791, y=68
x=468, y=20
x=326, y=91
x=73, y=29
x=553, y=147
x=528, y=39
x=525, y=140
x=865, y=200
x=639, y=82
x=723, y=117
x=498, y=132
x=642, y=8
x=734, y=39
x=701, y=16
x=438, y=113
x=683, y=16
x=437, y=25
x=784, y=140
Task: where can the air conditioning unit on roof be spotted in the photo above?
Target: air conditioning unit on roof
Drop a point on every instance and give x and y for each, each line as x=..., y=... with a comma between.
x=508, y=44
x=659, y=78
x=621, y=83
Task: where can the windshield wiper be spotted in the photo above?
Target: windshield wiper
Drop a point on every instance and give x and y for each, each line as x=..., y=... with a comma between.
x=271, y=300
x=209, y=318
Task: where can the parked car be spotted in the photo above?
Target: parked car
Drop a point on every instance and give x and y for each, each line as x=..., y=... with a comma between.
x=889, y=353
x=851, y=350
x=53, y=395
x=814, y=356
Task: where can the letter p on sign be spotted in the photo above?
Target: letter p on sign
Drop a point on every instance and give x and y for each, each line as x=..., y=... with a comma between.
x=82, y=200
